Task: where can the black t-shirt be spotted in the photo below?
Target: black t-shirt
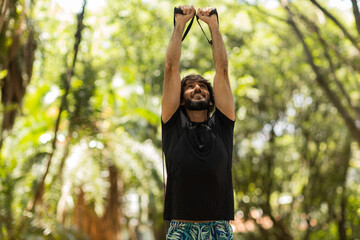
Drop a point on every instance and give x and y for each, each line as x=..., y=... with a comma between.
x=198, y=164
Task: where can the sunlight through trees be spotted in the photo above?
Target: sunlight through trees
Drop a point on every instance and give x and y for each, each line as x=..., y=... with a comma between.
x=80, y=139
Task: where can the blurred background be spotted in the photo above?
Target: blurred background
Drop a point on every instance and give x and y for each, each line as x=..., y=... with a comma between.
x=80, y=140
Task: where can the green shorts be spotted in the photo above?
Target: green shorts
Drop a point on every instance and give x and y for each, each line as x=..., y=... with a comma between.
x=200, y=231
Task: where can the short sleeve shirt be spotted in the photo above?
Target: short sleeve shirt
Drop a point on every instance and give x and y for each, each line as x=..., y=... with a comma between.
x=198, y=163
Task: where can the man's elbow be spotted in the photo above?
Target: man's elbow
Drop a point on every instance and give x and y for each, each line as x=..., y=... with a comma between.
x=223, y=69
x=169, y=67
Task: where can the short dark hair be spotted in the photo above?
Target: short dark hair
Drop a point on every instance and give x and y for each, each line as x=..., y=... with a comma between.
x=198, y=78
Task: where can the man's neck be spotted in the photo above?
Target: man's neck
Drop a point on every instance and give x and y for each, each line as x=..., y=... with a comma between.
x=197, y=116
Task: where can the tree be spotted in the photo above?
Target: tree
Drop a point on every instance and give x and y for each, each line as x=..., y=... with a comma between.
x=293, y=68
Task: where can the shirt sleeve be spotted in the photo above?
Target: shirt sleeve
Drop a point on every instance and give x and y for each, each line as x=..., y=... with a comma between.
x=171, y=121
x=169, y=132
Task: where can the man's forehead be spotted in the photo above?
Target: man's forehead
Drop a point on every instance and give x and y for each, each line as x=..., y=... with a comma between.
x=195, y=81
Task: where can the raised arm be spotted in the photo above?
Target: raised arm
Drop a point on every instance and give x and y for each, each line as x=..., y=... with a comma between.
x=172, y=88
x=224, y=100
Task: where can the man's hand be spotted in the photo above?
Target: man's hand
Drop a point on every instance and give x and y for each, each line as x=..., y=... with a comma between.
x=204, y=15
x=188, y=11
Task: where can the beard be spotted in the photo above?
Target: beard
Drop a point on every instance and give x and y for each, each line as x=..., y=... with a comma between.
x=197, y=105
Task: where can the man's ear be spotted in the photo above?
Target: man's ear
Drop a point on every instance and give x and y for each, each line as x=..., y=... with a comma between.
x=182, y=103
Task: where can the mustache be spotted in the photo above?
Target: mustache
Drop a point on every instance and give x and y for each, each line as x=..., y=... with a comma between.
x=197, y=92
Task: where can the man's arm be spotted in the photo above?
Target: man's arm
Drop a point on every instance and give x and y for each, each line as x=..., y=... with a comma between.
x=172, y=88
x=224, y=100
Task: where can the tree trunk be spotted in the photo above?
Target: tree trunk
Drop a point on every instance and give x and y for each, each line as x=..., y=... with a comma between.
x=341, y=223
x=18, y=61
x=106, y=227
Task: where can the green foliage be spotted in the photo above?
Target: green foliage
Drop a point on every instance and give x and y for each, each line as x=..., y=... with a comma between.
x=295, y=162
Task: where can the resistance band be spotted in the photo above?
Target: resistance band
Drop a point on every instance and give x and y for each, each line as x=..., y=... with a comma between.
x=179, y=11
x=213, y=11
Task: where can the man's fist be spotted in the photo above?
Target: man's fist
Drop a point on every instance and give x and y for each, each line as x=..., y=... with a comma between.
x=188, y=13
x=204, y=15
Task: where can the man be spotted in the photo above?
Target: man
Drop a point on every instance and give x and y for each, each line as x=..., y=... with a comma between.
x=198, y=148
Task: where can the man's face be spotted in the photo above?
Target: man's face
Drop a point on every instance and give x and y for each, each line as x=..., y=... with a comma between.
x=196, y=96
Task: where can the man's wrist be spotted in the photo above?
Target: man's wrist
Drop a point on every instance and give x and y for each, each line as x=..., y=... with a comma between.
x=180, y=25
x=214, y=26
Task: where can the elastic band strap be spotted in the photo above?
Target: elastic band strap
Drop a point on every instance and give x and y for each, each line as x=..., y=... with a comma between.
x=213, y=11
x=179, y=11
x=210, y=41
x=163, y=172
x=164, y=184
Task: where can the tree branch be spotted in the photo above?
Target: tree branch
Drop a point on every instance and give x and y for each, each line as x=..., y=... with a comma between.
x=322, y=81
x=266, y=13
x=3, y=12
x=325, y=46
x=337, y=22
x=356, y=14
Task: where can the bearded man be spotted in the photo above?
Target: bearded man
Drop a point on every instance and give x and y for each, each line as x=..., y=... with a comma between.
x=197, y=133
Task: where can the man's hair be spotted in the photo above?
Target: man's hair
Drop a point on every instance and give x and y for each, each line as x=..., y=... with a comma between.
x=198, y=78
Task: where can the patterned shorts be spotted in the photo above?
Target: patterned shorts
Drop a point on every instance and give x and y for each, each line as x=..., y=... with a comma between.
x=216, y=230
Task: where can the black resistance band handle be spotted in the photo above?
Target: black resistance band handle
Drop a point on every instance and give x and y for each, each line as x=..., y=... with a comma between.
x=213, y=11
x=179, y=11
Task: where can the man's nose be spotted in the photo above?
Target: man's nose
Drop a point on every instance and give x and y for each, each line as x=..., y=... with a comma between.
x=197, y=88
